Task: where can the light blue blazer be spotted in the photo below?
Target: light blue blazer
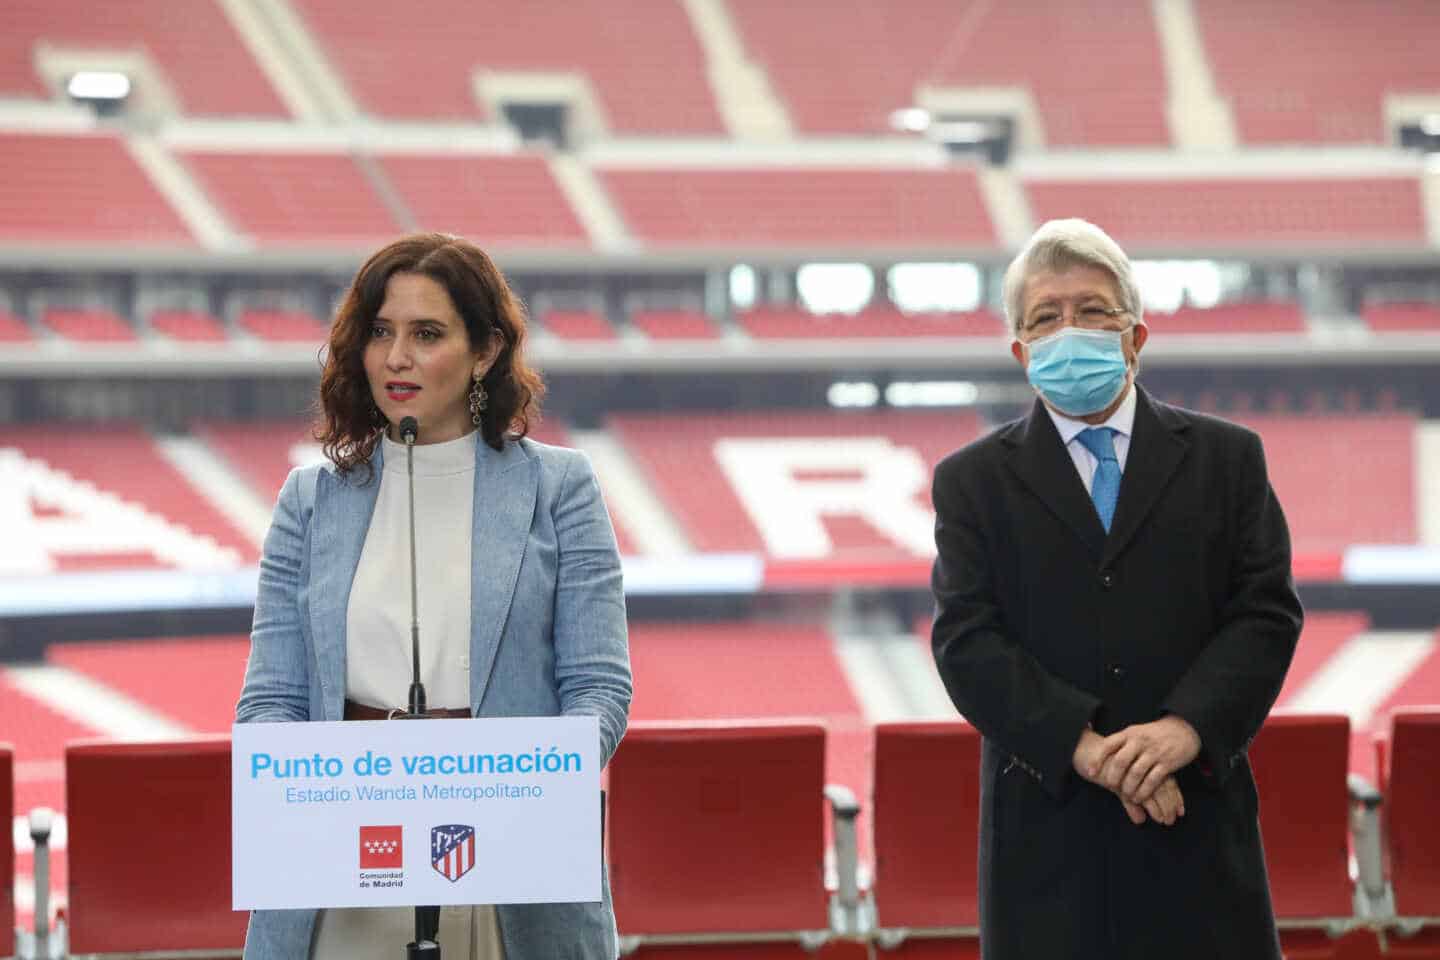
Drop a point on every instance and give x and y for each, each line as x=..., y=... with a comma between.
x=548, y=637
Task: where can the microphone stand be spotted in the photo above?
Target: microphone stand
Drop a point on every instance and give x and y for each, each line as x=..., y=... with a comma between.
x=426, y=945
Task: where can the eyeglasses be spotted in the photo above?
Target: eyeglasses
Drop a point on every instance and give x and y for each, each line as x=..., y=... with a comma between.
x=1092, y=316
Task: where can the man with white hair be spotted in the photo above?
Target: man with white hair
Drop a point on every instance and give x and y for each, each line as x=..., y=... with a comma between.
x=1115, y=613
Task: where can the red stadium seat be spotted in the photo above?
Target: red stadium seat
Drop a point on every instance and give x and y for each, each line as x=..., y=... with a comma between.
x=14, y=330
x=500, y=200
x=83, y=189
x=1291, y=92
x=716, y=839
x=89, y=326
x=926, y=816
x=899, y=207
x=151, y=871
x=844, y=70
x=1386, y=317
x=674, y=325
x=295, y=199
x=7, y=850
x=1249, y=213
x=191, y=326
x=1412, y=800
x=579, y=325
x=641, y=59
x=1300, y=764
x=283, y=326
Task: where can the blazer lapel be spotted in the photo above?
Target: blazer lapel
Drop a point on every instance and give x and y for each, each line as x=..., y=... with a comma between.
x=338, y=525
x=505, y=487
x=1042, y=464
x=1157, y=446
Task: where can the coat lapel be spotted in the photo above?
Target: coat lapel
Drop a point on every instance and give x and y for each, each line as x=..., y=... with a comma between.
x=1041, y=462
x=1157, y=445
x=340, y=521
x=505, y=488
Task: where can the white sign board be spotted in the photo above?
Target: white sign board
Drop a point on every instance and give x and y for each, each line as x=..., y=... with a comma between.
x=431, y=812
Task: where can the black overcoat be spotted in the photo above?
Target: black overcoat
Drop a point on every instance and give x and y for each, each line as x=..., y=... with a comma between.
x=1044, y=623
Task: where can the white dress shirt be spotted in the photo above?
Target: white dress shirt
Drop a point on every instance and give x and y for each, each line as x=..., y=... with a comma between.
x=1122, y=421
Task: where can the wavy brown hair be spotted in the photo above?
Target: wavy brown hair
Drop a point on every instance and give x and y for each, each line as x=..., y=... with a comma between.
x=348, y=423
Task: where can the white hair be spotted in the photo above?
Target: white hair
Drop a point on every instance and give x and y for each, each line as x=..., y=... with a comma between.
x=1060, y=245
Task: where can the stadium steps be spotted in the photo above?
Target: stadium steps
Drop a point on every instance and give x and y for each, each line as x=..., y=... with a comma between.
x=1430, y=198
x=1427, y=481
x=591, y=203
x=296, y=65
x=175, y=183
x=747, y=101
x=649, y=523
x=1008, y=205
x=1199, y=118
x=219, y=482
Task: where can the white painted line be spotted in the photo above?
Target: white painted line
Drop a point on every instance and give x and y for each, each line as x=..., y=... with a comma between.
x=629, y=494
x=218, y=482
x=871, y=681
x=915, y=665
x=1363, y=674
x=93, y=704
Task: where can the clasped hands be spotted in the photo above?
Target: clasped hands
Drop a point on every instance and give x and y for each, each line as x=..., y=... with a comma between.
x=1138, y=765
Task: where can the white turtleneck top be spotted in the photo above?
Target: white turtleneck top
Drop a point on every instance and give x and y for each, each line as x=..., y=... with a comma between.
x=377, y=649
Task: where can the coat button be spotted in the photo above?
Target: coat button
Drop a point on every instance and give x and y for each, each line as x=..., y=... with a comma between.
x=1107, y=579
x=1117, y=672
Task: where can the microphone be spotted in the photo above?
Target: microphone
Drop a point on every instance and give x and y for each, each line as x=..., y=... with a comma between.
x=410, y=432
x=426, y=945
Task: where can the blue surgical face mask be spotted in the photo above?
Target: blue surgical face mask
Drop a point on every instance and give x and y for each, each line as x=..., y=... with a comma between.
x=1078, y=371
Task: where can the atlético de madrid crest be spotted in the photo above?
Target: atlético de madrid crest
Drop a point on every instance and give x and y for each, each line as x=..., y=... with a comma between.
x=452, y=850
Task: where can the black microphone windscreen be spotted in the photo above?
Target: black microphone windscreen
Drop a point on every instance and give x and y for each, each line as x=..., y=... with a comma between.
x=409, y=429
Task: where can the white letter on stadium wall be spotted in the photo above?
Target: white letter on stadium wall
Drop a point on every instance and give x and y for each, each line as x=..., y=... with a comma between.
x=886, y=488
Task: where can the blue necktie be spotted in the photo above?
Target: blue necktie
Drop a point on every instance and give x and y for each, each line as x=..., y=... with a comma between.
x=1105, y=486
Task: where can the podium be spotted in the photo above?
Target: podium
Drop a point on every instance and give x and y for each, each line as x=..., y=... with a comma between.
x=381, y=814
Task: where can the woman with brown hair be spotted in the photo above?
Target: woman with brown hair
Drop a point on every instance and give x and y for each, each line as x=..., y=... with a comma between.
x=521, y=597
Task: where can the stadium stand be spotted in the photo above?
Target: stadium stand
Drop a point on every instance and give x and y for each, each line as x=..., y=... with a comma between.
x=134, y=884
x=1286, y=317
x=89, y=326
x=201, y=56
x=295, y=199
x=1349, y=501
x=500, y=200
x=82, y=189
x=187, y=326
x=716, y=836
x=926, y=870
x=1240, y=213
x=578, y=325
x=778, y=323
x=848, y=70
x=212, y=669
x=793, y=207
x=674, y=325
x=1412, y=795
x=685, y=672
x=1290, y=93
x=831, y=478
x=1300, y=767
x=7, y=849
x=1388, y=317
x=104, y=498
x=14, y=330
x=644, y=63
